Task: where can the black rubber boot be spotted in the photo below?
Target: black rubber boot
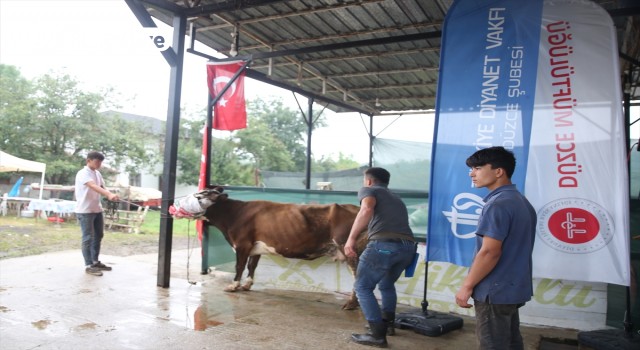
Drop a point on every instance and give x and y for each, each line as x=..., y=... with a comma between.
x=390, y=319
x=377, y=336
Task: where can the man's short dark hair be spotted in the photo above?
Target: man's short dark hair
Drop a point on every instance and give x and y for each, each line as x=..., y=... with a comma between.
x=379, y=175
x=95, y=155
x=497, y=157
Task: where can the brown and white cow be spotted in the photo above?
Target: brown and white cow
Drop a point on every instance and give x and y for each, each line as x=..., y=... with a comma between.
x=295, y=231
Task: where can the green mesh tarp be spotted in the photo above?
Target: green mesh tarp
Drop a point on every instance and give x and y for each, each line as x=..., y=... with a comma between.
x=344, y=180
x=408, y=162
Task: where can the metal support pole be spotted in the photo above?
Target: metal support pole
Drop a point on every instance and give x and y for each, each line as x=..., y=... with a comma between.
x=371, y=138
x=171, y=152
x=309, y=132
x=205, y=224
x=627, y=320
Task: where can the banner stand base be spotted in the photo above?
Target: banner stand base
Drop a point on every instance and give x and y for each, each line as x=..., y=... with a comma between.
x=614, y=339
x=429, y=323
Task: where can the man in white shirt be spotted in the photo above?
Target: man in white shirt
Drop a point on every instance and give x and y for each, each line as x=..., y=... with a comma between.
x=89, y=187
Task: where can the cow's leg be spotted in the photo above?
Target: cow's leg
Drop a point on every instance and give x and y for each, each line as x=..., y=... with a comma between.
x=253, y=264
x=241, y=262
x=352, y=303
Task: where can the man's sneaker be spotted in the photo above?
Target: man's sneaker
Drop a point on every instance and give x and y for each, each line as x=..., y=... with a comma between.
x=93, y=271
x=101, y=267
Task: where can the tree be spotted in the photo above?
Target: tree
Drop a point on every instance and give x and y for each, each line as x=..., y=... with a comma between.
x=329, y=164
x=15, y=103
x=273, y=140
x=281, y=129
x=51, y=120
x=226, y=167
x=259, y=145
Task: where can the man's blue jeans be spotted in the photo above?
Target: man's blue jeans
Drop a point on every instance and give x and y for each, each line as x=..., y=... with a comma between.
x=381, y=264
x=92, y=226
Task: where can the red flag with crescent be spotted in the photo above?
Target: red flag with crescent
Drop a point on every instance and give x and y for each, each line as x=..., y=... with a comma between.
x=229, y=113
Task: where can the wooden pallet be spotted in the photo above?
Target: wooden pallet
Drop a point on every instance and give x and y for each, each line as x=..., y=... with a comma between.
x=127, y=220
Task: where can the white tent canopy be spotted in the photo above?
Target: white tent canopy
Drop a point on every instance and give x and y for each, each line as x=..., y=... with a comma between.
x=12, y=163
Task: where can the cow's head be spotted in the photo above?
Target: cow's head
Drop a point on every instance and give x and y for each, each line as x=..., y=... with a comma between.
x=210, y=196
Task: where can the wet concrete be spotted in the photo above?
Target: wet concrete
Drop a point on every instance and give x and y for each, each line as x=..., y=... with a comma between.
x=49, y=302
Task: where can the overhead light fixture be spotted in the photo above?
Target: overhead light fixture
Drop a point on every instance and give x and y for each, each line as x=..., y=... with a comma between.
x=233, y=51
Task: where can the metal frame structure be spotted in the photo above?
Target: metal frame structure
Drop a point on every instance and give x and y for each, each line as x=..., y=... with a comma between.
x=374, y=57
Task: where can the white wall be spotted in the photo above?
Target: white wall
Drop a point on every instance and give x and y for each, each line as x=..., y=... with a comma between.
x=556, y=303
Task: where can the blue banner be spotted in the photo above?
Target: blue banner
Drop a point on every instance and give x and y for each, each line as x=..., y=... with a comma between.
x=486, y=92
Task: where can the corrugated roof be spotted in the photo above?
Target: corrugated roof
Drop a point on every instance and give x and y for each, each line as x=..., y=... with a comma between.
x=372, y=56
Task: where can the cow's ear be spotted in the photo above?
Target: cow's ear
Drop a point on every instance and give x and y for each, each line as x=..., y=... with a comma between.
x=222, y=197
x=218, y=188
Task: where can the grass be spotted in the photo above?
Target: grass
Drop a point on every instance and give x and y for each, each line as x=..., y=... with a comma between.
x=181, y=227
x=28, y=236
x=25, y=236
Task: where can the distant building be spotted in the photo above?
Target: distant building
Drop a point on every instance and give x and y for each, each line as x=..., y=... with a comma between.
x=148, y=178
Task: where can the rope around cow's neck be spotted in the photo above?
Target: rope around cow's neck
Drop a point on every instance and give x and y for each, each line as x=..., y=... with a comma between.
x=112, y=207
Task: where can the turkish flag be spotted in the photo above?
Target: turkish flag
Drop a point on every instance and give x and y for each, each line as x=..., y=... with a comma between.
x=229, y=113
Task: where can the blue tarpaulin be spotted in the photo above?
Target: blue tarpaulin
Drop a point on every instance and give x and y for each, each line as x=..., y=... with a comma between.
x=15, y=190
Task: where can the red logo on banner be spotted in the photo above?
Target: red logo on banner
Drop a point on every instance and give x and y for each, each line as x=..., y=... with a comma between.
x=229, y=113
x=574, y=225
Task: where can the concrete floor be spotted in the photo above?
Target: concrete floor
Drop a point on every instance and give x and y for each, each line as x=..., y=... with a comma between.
x=48, y=302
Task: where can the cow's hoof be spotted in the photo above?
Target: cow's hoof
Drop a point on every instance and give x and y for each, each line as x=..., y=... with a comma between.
x=350, y=305
x=247, y=284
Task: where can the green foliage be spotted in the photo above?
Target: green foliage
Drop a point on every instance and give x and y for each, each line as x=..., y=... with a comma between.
x=329, y=164
x=51, y=120
x=274, y=121
x=14, y=101
x=189, y=151
x=273, y=140
x=226, y=166
x=264, y=148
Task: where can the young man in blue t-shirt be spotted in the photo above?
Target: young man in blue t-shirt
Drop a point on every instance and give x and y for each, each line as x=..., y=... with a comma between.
x=500, y=277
